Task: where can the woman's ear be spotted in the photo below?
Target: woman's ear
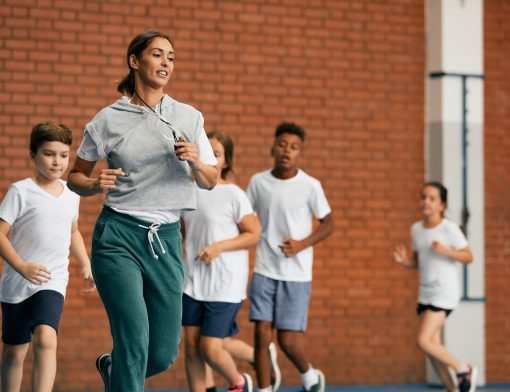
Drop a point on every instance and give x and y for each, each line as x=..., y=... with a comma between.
x=133, y=61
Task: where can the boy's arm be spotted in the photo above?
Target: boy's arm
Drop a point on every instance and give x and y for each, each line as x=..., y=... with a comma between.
x=79, y=251
x=290, y=247
x=35, y=273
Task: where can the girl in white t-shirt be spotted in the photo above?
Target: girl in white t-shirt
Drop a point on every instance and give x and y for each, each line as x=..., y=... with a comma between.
x=217, y=237
x=437, y=244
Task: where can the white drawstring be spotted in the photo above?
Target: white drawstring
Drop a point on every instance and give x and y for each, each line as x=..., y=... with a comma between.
x=153, y=229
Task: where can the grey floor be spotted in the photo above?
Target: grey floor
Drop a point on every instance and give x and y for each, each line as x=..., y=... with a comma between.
x=378, y=388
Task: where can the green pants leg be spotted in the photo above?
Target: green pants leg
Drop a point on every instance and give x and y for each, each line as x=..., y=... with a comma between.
x=142, y=296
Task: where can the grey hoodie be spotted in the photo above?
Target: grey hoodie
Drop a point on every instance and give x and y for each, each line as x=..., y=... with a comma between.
x=141, y=142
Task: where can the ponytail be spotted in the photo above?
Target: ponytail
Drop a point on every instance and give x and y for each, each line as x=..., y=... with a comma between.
x=127, y=84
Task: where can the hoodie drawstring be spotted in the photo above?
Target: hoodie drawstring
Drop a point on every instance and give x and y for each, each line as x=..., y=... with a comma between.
x=153, y=229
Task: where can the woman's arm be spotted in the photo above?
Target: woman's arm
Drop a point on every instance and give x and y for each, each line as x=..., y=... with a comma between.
x=249, y=233
x=205, y=175
x=79, y=180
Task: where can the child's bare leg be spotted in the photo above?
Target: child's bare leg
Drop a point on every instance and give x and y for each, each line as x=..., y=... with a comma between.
x=291, y=342
x=195, y=365
x=444, y=374
x=430, y=326
x=13, y=357
x=239, y=349
x=219, y=359
x=45, y=358
x=209, y=377
x=263, y=338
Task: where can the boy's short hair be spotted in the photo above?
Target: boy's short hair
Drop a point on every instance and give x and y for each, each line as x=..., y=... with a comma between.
x=49, y=131
x=289, y=127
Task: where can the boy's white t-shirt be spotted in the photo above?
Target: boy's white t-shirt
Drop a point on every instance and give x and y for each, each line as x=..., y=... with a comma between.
x=40, y=233
x=216, y=218
x=439, y=281
x=285, y=209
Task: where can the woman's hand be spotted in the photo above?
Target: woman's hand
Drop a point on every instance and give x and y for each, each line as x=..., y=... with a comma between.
x=186, y=151
x=107, y=179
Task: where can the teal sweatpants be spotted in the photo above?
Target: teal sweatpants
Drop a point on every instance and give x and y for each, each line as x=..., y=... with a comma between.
x=142, y=295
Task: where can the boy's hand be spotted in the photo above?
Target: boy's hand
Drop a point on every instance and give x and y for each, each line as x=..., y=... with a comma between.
x=290, y=247
x=35, y=273
x=107, y=179
x=208, y=253
x=88, y=279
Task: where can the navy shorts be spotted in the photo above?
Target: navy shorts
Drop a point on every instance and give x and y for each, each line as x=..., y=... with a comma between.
x=422, y=308
x=283, y=303
x=215, y=319
x=19, y=320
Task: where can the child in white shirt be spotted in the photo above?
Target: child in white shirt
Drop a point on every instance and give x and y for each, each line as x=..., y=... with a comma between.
x=437, y=245
x=41, y=214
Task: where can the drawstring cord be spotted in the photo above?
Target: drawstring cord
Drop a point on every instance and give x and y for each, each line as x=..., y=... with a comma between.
x=153, y=229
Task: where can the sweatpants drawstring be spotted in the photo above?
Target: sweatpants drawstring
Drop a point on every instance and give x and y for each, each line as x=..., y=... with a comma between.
x=153, y=229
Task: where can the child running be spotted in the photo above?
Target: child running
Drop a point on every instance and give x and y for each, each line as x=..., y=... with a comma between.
x=437, y=244
x=285, y=199
x=217, y=235
x=41, y=214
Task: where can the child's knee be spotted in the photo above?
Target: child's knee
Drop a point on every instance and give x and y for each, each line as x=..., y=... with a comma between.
x=14, y=354
x=45, y=338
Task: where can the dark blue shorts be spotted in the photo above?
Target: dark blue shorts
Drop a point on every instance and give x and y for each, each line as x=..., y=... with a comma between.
x=215, y=319
x=19, y=320
x=422, y=308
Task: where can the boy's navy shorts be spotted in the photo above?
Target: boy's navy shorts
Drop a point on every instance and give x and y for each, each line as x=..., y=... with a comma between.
x=215, y=319
x=19, y=320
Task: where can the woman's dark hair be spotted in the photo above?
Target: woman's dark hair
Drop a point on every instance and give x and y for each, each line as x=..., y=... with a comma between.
x=228, y=147
x=291, y=128
x=443, y=192
x=136, y=47
x=49, y=131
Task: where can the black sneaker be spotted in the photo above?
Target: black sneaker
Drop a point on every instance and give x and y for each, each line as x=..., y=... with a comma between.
x=467, y=380
x=104, y=365
x=276, y=375
x=320, y=386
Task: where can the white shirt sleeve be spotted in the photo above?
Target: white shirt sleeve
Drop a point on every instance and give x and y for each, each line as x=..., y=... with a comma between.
x=11, y=206
x=319, y=204
x=243, y=206
x=205, y=151
x=457, y=238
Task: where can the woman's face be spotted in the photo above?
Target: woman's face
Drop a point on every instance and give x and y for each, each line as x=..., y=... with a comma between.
x=155, y=65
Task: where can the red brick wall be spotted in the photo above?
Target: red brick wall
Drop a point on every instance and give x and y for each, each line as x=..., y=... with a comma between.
x=350, y=72
x=497, y=188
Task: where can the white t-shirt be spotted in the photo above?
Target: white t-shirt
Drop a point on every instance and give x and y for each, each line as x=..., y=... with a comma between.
x=216, y=218
x=285, y=209
x=40, y=233
x=439, y=281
